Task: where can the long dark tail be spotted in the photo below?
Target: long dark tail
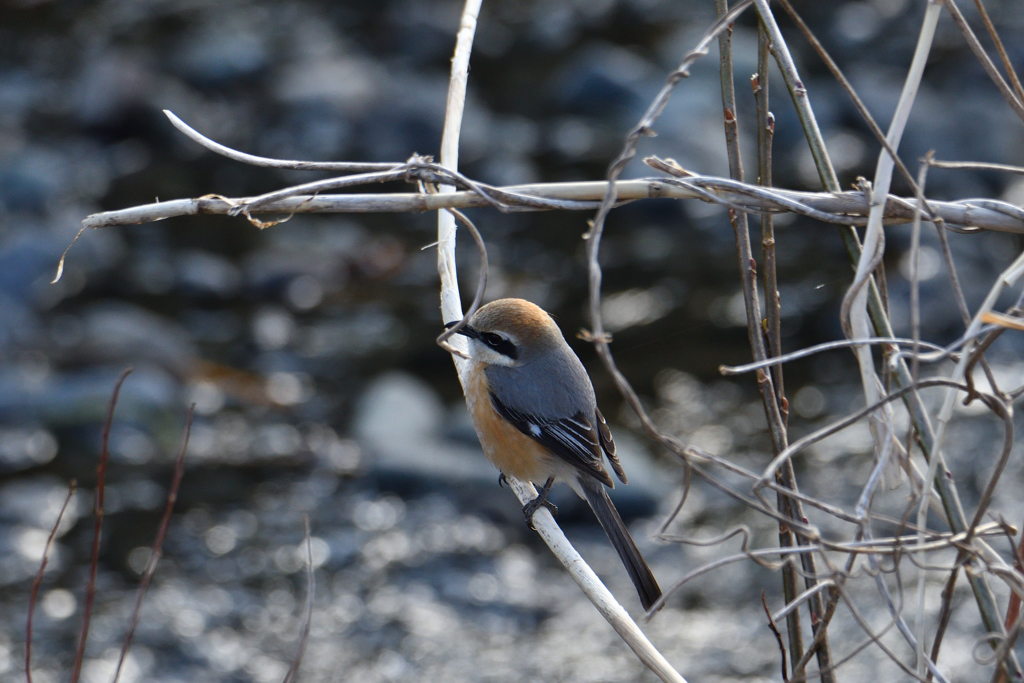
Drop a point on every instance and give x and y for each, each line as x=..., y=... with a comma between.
x=646, y=585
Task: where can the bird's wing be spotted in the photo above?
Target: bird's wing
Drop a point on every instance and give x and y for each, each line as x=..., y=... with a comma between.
x=608, y=444
x=573, y=439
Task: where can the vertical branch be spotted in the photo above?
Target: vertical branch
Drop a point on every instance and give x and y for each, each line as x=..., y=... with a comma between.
x=769, y=397
x=943, y=479
x=748, y=267
x=307, y=618
x=451, y=302
x=945, y=612
x=101, y=475
x=778, y=637
x=915, y=280
x=1013, y=608
x=1007, y=64
x=765, y=132
x=870, y=258
x=158, y=542
x=1016, y=104
x=798, y=93
x=816, y=143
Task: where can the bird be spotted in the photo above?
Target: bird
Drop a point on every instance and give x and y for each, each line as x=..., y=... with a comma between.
x=534, y=410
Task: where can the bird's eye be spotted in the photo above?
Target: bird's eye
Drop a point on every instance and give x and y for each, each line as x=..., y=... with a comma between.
x=491, y=339
x=500, y=344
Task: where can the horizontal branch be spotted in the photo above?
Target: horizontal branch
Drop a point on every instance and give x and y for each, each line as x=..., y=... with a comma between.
x=847, y=207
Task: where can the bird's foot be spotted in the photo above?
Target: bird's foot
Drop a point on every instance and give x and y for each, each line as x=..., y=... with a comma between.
x=540, y=501
x=502, y=480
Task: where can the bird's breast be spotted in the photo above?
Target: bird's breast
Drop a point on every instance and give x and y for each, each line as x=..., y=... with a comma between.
x=508, y=449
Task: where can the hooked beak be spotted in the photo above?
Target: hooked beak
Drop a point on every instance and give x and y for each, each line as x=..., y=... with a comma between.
x=466, y=331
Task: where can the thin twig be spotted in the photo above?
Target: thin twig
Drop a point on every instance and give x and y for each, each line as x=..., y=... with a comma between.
x=94, y=562
x=266, y=162
x=977, y=166
x=773, y=336
x=1017, y=105
x=789, y=507
x=945, y=611
x=778, y=636
x=1005, y=58
x=853, y=418
x=307, y=617
x=452, y=328
x=940, y=353
x=158, y=543
x=37, y=582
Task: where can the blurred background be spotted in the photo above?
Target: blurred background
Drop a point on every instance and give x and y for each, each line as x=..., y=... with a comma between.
x=308, y=348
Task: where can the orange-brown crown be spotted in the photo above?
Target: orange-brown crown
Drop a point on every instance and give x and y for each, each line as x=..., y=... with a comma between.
x=525, y=322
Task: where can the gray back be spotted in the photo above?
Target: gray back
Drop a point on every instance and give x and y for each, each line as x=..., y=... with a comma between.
x=550, y=385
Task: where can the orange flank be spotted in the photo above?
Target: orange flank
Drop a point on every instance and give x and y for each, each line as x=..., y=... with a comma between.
x=508, y=449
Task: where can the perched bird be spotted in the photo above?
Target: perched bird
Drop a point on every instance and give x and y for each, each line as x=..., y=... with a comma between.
x=535, y=413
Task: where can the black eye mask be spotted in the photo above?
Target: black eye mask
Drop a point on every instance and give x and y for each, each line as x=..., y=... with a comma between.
x=490, y=339
x=499, y=344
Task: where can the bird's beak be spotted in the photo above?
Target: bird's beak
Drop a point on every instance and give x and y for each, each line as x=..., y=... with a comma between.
x=466, y=331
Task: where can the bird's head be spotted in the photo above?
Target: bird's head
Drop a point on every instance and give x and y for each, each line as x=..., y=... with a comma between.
x=509, y=332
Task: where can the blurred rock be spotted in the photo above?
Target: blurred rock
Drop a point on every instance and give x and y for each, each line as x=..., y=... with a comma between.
x=602, y=78
x=37, y=502
x=221, y=53
x=22, y=448
x=82, y=397
x=205, y=273
x=125, y=333
x=399, y=420
x=350, y=82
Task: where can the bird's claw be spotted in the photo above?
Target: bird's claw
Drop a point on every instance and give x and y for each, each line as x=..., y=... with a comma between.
x=536, y=504
x=541, y=501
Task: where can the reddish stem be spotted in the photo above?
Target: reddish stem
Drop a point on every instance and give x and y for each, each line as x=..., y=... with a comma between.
x=101, y=475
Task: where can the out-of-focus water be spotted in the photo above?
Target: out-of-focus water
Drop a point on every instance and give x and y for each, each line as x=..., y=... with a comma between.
x=308, y=347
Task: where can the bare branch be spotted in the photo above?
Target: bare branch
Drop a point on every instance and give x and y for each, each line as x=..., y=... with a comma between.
x=848, y=208
x=1017, y=105
x=158, y=543
x=38, y=580
x=101, y=474
x=307, y=617
x=235, y=155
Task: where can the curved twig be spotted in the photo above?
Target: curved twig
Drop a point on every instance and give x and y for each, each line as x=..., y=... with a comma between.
x=37, y=582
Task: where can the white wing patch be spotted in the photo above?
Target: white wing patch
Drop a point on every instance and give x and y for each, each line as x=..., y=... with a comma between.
x=573, y=439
